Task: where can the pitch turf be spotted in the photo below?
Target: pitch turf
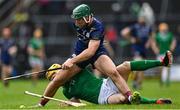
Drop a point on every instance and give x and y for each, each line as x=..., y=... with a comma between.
x=13, y=97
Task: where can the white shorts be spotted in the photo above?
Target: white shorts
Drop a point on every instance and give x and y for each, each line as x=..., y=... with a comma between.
x=108, y=88
x=33, y=61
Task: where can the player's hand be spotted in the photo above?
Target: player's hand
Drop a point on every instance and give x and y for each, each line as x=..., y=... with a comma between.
x=132, y=40
x=67, y=64
x=12, y=51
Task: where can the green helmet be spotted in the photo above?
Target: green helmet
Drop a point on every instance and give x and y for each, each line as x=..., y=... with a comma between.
x=81, y=11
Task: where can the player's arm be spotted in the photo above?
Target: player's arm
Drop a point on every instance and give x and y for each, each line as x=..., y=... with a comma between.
x=150, y=39
x=126, y=33
x=87, y=53
x=84, y=55
x=108, y=48
x=12, y=50
x=41, y=52
x=173, y=45
x=32, y=51
x=154, y=45
x=53, y=85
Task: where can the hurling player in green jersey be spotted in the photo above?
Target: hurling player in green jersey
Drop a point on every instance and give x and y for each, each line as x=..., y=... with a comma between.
x=36, y=52
x=87, y=87
x=163, y=41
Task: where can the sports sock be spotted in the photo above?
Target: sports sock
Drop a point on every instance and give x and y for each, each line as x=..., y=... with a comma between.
x=147, y=101
x=128, y=96
x=144, y=64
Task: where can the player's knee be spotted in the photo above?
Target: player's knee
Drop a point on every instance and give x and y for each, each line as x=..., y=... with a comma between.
x=124, y=67
x=126, y=63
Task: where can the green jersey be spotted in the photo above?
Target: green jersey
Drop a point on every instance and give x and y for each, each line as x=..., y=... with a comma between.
x=84, y=86
x=164, y=42
x=36, y=44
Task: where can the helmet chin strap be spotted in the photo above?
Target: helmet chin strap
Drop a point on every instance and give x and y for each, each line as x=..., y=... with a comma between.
x=87, y=21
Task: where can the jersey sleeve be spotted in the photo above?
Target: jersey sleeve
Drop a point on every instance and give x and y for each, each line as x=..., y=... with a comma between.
x=97, y=33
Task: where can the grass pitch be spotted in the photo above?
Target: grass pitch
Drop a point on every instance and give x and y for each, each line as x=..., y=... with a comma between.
x=13, y=97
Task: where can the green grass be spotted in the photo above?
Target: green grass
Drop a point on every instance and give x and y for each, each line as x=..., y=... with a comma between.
x=13, y=97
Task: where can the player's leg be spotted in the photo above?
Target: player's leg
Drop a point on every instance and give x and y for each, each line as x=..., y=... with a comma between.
x=146, y=64
x=126, y=67
x=6, y=71
x=145, y=100
x=138, y=75
x=60, y=78
x=159, y=70
x=38, y=65
x=109, y=93
x=168, y=77
x=35, y=76
x=105, y=65
x=164, y=74
x=120, y=99
x=116, y=99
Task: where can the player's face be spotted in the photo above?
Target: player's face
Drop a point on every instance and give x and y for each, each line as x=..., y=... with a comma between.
x=37, y=33
x=163, y=28
x=6, y=32
x=80, y=23
x=141, y=20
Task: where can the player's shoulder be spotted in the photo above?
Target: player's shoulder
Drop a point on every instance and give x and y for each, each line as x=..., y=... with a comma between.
x=97, y=23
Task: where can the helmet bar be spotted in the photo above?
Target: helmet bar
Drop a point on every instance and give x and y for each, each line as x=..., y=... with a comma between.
x=87, y=21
